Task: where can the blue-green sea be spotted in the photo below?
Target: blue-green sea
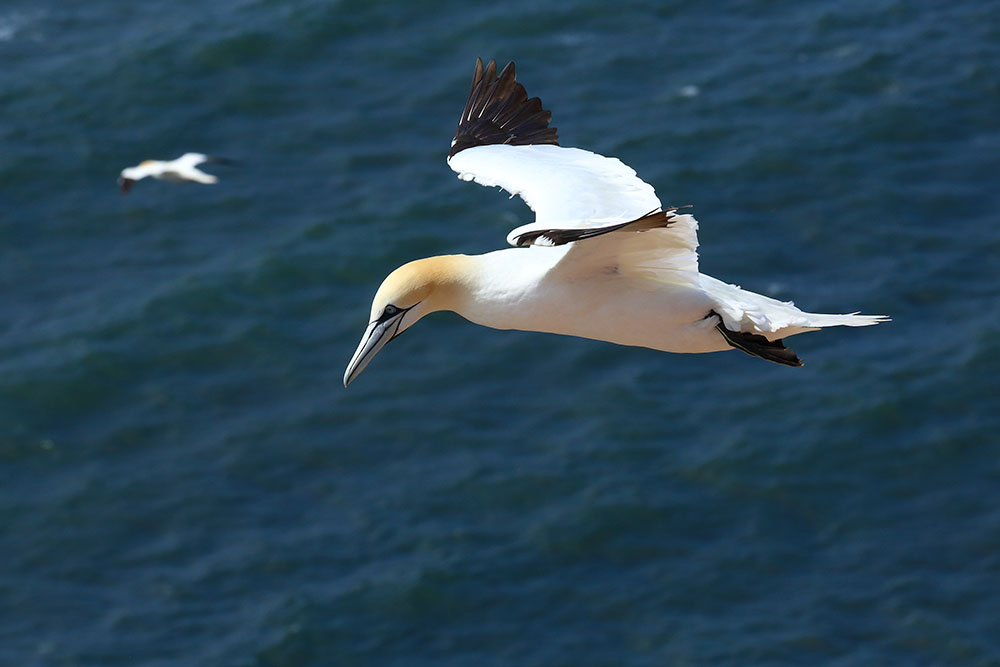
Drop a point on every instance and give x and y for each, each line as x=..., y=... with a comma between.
x=185, y=481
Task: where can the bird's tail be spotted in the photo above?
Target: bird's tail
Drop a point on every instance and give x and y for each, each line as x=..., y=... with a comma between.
x=757, y=324
x=742, y=310
x=820, y=320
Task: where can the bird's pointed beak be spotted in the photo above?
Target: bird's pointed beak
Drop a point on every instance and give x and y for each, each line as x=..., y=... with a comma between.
x=125, y=184
x=376, y=335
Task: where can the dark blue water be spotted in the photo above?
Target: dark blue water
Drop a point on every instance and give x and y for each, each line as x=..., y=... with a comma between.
x=184, y=480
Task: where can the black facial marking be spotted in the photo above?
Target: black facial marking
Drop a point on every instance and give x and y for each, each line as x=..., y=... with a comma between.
x=391, y=311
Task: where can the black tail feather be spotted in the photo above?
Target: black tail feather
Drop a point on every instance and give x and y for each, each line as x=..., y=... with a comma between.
x=758, y=346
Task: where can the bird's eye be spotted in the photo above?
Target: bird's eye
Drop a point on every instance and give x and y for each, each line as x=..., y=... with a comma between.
x=391, y=310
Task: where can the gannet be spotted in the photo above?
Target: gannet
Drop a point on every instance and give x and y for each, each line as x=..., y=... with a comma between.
x=184, y=168
x=603, y=258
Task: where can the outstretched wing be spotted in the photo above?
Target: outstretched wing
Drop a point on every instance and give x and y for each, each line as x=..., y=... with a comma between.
x=191, y=159
x=503, y=139
x=194, y=159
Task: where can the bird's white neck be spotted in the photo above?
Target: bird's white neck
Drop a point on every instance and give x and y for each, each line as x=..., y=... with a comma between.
x=500, y=289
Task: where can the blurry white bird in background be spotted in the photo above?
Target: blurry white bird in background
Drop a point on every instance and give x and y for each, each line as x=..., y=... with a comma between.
x=183, y=169
x=604, y=259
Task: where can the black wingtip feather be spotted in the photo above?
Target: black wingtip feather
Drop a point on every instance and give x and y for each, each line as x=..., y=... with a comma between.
x=499, y=111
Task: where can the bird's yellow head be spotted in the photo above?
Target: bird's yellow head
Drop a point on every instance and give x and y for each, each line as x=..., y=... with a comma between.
x=406, y=295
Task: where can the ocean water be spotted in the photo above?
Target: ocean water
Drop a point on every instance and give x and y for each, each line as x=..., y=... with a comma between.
x=185, y=481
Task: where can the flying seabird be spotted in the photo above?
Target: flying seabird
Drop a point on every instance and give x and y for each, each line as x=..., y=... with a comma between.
x=184, y=168
x=602, y=260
